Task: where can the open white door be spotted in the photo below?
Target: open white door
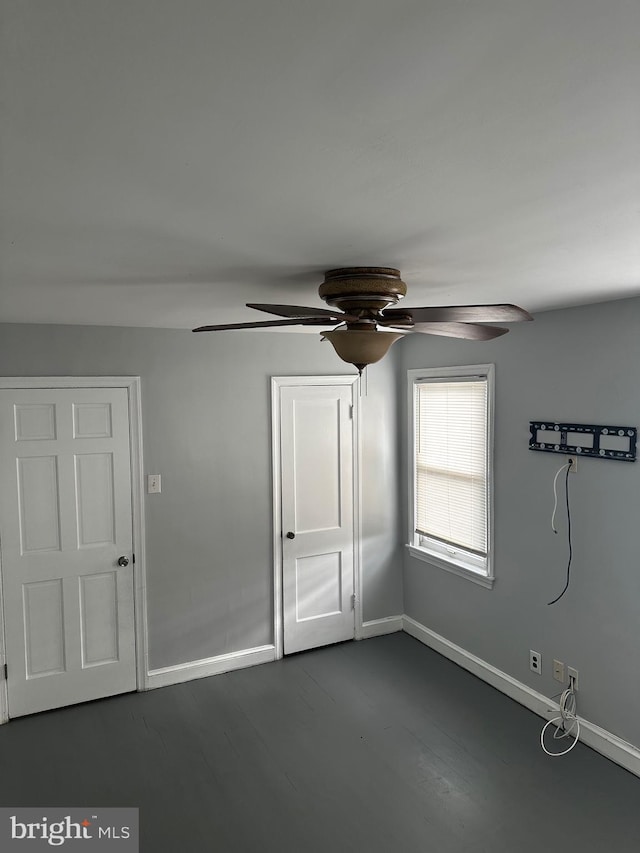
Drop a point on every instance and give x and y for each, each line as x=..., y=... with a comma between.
x=66, y=541
x=317, y=500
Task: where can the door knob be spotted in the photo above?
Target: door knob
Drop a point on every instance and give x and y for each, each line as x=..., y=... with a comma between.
x=123, y=561
x=291, y=535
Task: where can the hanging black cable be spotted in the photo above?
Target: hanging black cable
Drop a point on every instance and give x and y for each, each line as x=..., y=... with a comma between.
x=566, y=489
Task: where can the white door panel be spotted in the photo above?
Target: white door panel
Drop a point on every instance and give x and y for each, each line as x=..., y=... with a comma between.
x=317, y=508
x=65, y=519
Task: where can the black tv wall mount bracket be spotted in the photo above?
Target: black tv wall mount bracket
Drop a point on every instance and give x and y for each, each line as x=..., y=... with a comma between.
x=599, y=442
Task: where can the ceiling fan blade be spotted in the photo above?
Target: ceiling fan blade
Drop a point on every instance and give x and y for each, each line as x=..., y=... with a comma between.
x=468, y=331
x=462, y=314
x=294, y=310
x=264, y=324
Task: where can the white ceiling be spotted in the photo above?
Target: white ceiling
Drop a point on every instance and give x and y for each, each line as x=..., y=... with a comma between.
x=166, y=161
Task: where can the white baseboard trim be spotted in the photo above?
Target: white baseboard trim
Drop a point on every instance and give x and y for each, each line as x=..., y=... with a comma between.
x=611, y=746
x=378, y=627
x=209, y=666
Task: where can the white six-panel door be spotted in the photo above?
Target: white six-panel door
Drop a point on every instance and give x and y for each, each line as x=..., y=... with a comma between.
x=317, y=446
x=65, y=520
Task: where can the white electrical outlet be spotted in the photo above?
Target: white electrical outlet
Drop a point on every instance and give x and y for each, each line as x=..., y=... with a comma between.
x=573, y=677
x=154, y=484
x=574, y=464
x=558, y=670
x=535, y=662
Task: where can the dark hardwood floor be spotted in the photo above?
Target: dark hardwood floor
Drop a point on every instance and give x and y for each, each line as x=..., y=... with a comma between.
x=381, y=745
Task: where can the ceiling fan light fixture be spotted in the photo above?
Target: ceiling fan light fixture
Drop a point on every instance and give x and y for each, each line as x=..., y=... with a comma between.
x=361, y=347
x=364, y=298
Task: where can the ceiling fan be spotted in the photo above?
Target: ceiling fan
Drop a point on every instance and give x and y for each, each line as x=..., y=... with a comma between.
x=362, y=297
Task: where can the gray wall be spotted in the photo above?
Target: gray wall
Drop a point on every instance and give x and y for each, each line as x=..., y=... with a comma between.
x=206, y=410
x=578, y=365
x=207, y=425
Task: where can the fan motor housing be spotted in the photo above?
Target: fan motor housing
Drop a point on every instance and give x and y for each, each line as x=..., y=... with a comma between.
x=362, y=289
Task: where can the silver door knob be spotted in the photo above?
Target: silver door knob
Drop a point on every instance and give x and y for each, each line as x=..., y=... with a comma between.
x=291, y=535
x=123, y=561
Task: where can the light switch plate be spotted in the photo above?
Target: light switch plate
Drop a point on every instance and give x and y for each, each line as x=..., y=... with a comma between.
x=154, y=484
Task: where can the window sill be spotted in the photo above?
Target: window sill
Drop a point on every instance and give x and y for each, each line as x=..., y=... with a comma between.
x=451, y=566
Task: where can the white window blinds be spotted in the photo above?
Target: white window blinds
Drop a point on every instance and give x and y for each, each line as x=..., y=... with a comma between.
x=451, y=462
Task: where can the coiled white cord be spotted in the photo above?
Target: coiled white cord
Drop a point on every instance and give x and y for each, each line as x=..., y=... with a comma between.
x=568, y=723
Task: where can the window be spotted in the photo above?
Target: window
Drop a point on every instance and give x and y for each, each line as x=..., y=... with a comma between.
x=451, y=441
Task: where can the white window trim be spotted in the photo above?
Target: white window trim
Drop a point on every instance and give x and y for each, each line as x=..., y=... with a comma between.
x=439, y=555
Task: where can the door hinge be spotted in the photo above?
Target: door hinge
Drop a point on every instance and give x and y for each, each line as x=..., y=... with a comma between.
x=353, y=602
x=351, y=412
x=6, y=672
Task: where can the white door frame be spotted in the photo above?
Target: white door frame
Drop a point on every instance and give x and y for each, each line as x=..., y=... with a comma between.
x=132, y=386
x=277, y=383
